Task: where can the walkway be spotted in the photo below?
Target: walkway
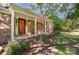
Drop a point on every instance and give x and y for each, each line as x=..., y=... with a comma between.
x=42, y=50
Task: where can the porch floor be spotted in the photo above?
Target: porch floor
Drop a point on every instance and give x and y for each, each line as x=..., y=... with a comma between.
x=25, y=36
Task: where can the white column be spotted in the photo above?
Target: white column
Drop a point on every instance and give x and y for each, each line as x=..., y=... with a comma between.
x=27, y=27
x=35, y=26
x=12, y=25
x=45, y=26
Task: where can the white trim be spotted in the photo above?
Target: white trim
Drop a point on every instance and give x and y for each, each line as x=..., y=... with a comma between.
x=30, y=15
x=26, y=27
x=25, y=14
x=12, y=24
x=35, y=26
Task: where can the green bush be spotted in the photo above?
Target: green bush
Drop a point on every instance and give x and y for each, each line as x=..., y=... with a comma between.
x=16, y=47
x=24, y=45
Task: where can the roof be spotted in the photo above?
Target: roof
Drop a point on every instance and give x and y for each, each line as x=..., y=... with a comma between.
x=20, y=9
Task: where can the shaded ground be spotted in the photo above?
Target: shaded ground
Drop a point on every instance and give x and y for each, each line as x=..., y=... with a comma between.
x=67, y=44
x=63, y=46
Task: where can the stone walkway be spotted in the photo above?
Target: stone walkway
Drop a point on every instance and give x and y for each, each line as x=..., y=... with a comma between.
x=47, y=51
x=40, y=47
x=42, y=50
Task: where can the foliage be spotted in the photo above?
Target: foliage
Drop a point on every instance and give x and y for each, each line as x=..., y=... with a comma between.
x=74, y=13
x=64, y=50
x=16, y=47
x=24, y=45
x=44, y=9
x=71, y=20
x=57, y=25
x=51, y=11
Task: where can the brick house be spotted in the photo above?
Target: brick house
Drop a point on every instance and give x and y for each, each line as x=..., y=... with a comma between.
x=19, y=23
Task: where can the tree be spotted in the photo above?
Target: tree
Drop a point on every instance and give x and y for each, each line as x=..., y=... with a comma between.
x=45, y=9
x=74, y=13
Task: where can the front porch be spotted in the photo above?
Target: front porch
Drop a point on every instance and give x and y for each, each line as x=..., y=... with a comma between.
x=17, y=23
x=26, y=26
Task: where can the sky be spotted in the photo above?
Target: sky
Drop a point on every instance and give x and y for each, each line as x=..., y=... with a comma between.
x=26, y=5
x=62, y=15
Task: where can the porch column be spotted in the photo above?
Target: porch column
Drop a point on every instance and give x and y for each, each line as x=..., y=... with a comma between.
x=12, y=24
x=45, y=26
x=27, y=27
x=35, y=26
x=50, y=26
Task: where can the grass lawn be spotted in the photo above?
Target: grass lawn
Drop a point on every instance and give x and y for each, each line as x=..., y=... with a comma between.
x=67, y=43
x=70, y=34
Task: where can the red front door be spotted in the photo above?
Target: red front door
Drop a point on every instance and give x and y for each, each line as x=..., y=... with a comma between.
x=21, y=26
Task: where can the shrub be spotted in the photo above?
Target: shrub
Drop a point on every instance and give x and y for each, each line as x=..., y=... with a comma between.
x=24, y=45
x=16, y=47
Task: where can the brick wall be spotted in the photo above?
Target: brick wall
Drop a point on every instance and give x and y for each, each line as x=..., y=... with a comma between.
x=5, y=26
